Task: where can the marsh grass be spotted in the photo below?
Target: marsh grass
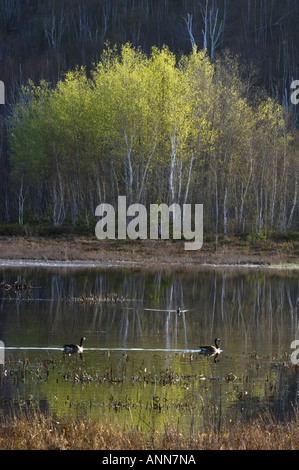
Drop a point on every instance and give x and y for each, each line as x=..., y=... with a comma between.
x=148, y=254
x=36, y=431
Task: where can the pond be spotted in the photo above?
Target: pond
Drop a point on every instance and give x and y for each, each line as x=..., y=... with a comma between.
x=141, y=362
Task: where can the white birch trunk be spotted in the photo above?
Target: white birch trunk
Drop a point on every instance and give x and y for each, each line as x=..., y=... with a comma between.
x=216, y=213
x=172, y=166
x=22, y=197
x=244, y=193
x=189, y=179
x=295, y=200
x=225, y=211
x=129, y=147
x=146, y=168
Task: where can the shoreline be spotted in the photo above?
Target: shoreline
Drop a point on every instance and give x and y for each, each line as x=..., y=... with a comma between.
x=84, y=252
x=77, y=264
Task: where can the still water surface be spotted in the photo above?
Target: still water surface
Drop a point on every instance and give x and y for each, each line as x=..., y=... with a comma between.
x=141, y=363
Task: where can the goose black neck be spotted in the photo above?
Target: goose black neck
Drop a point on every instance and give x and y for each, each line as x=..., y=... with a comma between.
x=216, y=343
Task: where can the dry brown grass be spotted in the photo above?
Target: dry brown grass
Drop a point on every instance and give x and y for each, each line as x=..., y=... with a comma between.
x=38, y=432
x=144, y=253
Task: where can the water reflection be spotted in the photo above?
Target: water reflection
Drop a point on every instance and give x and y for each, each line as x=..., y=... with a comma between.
x=144, y=332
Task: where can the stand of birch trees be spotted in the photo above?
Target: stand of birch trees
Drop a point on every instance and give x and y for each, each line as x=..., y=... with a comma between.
x=155, y=128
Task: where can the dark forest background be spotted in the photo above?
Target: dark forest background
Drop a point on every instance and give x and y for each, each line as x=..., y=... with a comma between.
x=40, y=39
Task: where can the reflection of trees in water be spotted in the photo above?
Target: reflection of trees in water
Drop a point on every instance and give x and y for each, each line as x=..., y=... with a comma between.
x=252, y=312
x=280, y=397
x=122, y=300
x=254, y=308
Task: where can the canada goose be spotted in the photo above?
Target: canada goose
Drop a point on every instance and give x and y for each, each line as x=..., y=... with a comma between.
x=74, y=348
x=211, y=350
